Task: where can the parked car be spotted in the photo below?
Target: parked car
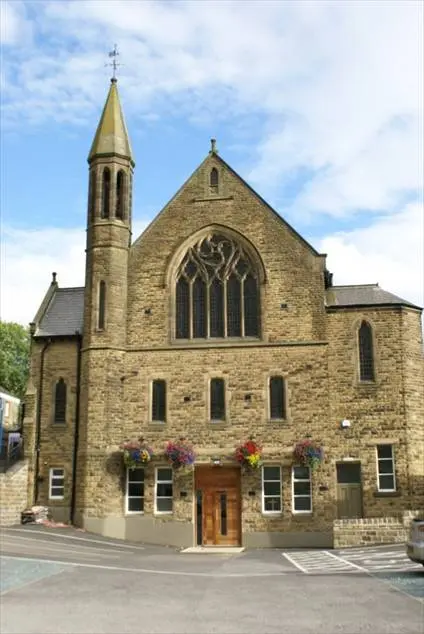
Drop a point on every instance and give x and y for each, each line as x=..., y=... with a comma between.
x=415, y=543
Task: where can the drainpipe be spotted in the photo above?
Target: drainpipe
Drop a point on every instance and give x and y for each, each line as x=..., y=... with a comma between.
x=38, y=422
x=76, y=431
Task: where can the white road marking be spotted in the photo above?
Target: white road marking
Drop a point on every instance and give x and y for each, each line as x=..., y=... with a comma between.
x=344, y=561
x=83, y=539
x=295, y=564
x=53, y=548
x=175, y=573
x=18, y=538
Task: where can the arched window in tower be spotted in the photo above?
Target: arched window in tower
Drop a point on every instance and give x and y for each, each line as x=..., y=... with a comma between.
x=120, y=194
x=106, y=193
x=60, y=402
x=366, y=352
x=101, y=315
x=214, y=180
x=92, y=196
x=217, y=291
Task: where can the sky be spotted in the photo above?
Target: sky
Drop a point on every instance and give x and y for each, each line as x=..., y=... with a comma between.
x=317, y=105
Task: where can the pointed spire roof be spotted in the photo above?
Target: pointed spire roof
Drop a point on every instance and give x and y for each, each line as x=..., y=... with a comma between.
x=111, y=136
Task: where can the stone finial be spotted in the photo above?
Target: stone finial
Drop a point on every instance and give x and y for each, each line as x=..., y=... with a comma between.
x=213, y=149
x=54, y=277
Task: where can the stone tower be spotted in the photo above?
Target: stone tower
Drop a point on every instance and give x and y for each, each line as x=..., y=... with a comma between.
x=105, y=297
x=108, y=228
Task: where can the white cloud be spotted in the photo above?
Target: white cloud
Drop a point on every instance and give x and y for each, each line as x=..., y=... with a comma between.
x=15, y=29
x=27, y=260
x=388, y=251
x=336, y=89
x=338, y=84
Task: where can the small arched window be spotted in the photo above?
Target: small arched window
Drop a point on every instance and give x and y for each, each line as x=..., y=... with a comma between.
x=106, y=193
x=120, y=193
x=366, y=352
x=214, y=181
x=217, y=291
x=102, y=306
x=60, y=402
x=92, y=196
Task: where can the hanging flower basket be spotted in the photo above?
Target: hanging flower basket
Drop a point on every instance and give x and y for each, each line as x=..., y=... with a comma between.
x=249, y=454
x=180, y=454
x=308, y=454
x=135, y=453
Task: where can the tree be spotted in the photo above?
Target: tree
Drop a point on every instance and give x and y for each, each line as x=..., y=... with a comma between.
x=14, y=357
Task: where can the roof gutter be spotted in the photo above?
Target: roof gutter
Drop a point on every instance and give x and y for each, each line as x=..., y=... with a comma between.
x=76, y=432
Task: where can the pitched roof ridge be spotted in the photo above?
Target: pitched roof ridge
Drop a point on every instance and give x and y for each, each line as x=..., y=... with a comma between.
x=376, y=285
x=71, y=288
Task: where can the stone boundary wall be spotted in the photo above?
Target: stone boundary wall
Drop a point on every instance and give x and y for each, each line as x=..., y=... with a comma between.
x=373, y=530
x=13, y=494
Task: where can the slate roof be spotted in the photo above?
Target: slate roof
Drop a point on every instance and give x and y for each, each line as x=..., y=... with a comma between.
x=64, y=314
x=363, y=295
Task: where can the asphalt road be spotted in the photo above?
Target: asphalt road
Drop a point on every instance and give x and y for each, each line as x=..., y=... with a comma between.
x=66, y=581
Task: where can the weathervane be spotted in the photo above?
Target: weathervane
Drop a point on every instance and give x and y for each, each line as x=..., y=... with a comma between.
x=114, y=63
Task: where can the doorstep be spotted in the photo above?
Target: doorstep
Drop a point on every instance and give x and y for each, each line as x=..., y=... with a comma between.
x=213, y=550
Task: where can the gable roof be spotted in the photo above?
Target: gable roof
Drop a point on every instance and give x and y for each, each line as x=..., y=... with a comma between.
x=363, y=295
x=216, y=156
x=64, y=314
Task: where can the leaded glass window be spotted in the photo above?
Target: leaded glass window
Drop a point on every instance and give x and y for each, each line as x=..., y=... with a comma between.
x=366, y=355
x=277, y=401
x=60, y=402
x=217, y=291
x=217, y=399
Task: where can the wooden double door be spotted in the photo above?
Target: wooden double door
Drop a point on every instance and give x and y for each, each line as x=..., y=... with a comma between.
x=218, y=506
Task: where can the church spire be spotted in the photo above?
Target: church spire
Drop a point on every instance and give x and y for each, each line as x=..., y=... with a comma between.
x=111, y=138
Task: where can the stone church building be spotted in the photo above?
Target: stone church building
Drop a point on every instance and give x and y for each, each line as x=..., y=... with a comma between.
x=219, y=324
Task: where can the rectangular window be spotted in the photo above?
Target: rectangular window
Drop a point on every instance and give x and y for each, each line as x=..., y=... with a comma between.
x=271, y=489
x=102, y=306
x=135, y=490
x=57, y=484
x=302, y=494
x=386, y=468
x=277, y=398
x=217, y=399
x=6, y=409
x=159, y=400
x=163, y=490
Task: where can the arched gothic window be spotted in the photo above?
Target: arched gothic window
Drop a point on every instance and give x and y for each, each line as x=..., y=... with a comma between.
x=217, y=291
x=106, y=193
x=366, y=352
x=120, y=193
x=214, y=178
x=92, y=196
x=60, y=402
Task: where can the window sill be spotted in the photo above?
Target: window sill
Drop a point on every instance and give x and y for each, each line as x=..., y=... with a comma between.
x=300, y=514
x=58, y=425
x=218, y=424
x=272, y=514
x=367, y=384
x=157, y=423
x=277, y=421
x=131, y=513
x=387, y=494
x=162, y=513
